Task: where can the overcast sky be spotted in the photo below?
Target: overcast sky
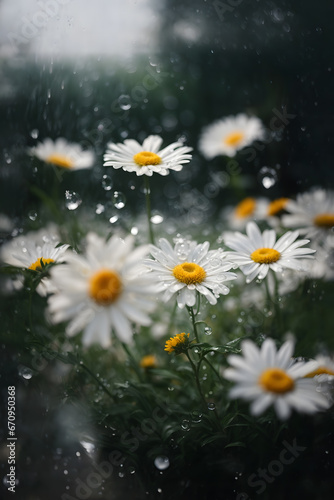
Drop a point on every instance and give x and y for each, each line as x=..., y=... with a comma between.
x=78, y=27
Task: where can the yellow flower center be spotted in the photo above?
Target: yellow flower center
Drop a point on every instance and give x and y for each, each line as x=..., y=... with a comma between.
x=234, y=138
x=105, y=287
x=277, y=206
x=276, y=380
x=324, y=220
x=189, y=273
x=60, y=161
x=265, y=255
x=146, y=158
x=38, y=265
x=245, y=208
x=322, y=370
x=177, y=343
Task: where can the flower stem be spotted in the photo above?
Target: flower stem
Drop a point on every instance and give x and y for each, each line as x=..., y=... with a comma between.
x=148, y=208
x=195, y=370
x=193, y=320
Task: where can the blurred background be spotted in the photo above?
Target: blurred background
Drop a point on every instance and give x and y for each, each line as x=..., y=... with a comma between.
x=95, y=72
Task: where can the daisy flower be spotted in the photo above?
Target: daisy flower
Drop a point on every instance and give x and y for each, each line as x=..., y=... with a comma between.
x=29, y=254
x=229, y=135
x=104, y=290
x=189, y=268
x=267, y=376
x=312, y=213
x=147, y=158
x=247, y=209
x=325, y=367
x=258, y=252
x=63, y=154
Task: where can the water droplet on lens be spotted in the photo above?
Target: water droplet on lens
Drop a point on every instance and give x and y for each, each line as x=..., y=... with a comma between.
x=124, y=102
x=268, y=177
x=161, y=463
x=72, y=200
x=106, y=182
x=118, y=200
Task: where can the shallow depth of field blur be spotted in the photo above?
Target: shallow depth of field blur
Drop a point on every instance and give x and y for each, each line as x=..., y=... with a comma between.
x=105, y=71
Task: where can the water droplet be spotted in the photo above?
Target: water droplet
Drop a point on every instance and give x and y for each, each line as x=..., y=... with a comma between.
x=118, y=200
x=185, y=424
x=32, y=215
x=88, y=446
x=196, y=416
x=25, y=372
x=106, y=182
x=157, y=219
x=131, y=470
x=161, y=462
x=211, y=406
x=124, y=102
x=208, y=330
x=121, y=474
x=134, y=230
x=72, y=200
x=34, y=133
x=99, y=209
x=113, y=219
x=268, y=177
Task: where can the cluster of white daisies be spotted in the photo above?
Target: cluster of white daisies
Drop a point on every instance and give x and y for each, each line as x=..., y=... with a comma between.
x=113, y=285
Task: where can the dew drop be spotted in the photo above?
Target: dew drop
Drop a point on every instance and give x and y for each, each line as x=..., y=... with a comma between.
x=211, y=406
x=118, y=200
x=208, y=330
x=161, y=462
x=268, y=177
x=32, y=215
x=185, y=425
x=72, y=200
x=106, y=182
x=124, y=102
